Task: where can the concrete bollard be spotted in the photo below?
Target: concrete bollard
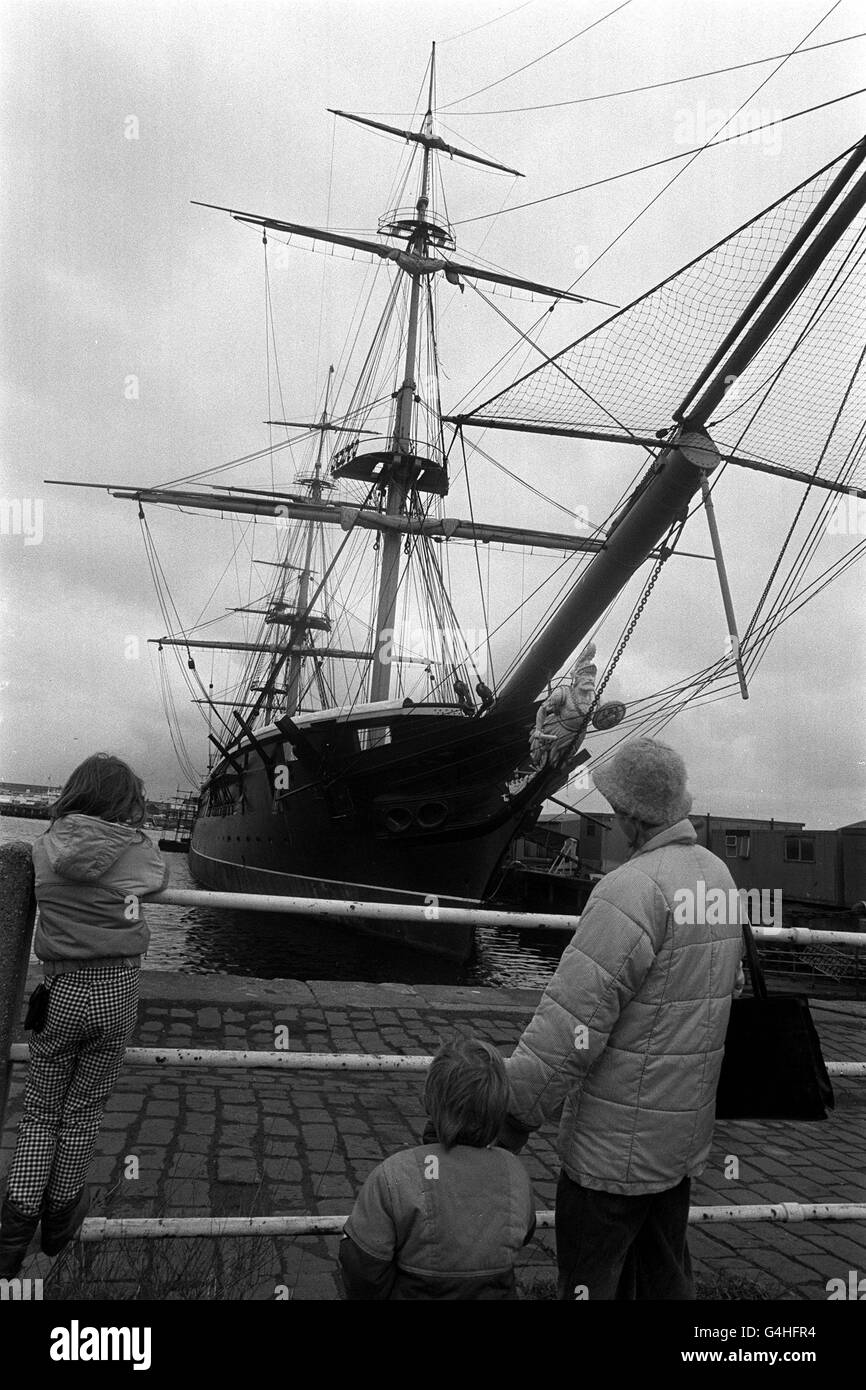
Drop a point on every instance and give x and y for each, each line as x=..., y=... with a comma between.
x=17, y=915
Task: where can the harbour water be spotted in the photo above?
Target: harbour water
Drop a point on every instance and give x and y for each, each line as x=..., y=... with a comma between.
x=222, y=942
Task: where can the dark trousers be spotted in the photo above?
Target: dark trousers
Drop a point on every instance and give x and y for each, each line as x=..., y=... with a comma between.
x=614, y=1247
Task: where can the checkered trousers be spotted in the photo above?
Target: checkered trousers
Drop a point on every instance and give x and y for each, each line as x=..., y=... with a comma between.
x=74, y=1063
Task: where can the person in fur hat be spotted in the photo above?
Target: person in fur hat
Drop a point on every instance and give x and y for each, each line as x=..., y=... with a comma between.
x=626, y=1045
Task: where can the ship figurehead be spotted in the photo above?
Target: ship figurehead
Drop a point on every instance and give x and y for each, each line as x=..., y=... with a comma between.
x=563, y=718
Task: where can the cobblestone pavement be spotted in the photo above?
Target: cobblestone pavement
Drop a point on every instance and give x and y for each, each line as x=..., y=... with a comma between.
x=254, y=1142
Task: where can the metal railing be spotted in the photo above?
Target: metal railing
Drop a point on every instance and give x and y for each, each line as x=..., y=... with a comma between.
x=164, y=1227
x=431, y=912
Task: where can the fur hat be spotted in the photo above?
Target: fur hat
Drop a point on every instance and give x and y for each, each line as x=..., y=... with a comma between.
x=647, y=780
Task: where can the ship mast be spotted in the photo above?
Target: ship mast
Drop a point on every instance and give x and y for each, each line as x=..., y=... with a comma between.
x=293, y=680
x=401, y=465
x=404, y=468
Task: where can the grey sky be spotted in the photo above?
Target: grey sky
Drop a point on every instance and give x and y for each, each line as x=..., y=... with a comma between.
x=110, y=274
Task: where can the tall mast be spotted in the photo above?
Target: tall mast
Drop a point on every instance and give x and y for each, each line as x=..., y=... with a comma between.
x=293, y=680
x=400, y=464
x=401, y=472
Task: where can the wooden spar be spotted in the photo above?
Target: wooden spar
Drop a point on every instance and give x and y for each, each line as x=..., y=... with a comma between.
x=229, y=757
x=276, y=648
x=347, y=516
x=430, y=142
x=413, y=261
x=338, y=427
x=226, y=704
x=283, y=649
x=647, y=441
x=449, y=528
x=675, y=477
x=728, y=602
x=676, y=474
x=268, y=759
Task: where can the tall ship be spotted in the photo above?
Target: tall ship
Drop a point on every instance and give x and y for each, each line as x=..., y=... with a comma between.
x=363, y=745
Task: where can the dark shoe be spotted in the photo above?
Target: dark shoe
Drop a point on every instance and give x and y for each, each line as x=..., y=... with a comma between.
x=62, y=1225
x=17, y=1229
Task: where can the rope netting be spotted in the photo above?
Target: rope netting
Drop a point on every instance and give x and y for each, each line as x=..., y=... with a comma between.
x=630, y=374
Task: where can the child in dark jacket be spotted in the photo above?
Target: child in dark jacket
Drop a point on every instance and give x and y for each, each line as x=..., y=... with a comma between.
x=91, y=867
x=446, y=1219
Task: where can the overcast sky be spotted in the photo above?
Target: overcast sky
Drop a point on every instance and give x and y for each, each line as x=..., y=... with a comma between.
x=134, y=323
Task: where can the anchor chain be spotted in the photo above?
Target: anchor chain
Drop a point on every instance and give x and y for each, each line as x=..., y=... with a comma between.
x=663, y=555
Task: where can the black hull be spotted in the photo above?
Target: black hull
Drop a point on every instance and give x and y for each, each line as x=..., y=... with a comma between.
x=453, y=942
x=423, y=819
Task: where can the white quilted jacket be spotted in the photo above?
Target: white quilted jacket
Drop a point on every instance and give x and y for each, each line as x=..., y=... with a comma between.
x=626, y=1044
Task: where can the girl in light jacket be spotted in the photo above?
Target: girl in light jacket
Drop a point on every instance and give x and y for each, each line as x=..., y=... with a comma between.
x=91, y=868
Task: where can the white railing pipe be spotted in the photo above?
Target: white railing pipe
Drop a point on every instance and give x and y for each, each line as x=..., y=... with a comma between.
x=219, y=1227
x=310, y=1061
x=432, y=913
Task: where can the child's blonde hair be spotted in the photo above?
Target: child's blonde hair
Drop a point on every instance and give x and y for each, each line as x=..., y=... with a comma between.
x=103, y=786
x=466, y=1093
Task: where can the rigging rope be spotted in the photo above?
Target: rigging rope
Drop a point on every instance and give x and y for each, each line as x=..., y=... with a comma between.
x=495, y=20
x=647, y=87
x=657, y=163
x=478, y=566
x=540, y=58
x=624, y=91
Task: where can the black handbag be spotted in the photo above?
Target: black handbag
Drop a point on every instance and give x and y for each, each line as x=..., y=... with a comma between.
x=773, y=1067
x=37, y=1009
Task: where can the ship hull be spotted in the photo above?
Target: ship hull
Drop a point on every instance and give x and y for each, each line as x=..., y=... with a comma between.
x=424, y=820
x=248, y=858
x=455, y=942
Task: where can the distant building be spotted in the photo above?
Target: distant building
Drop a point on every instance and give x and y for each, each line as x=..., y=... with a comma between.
x=541, y=846
x=28, y=800
x=820, y=867
x=824, y=868
x=34, y=790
